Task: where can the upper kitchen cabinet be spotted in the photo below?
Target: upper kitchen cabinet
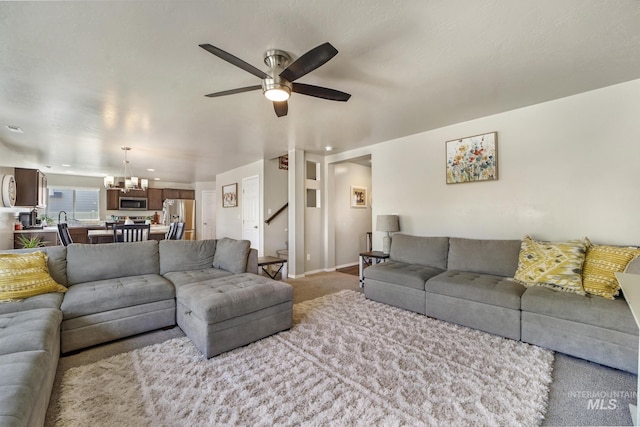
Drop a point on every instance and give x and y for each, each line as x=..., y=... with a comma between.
x=31, y=188
x=187, y=194
x=113, y=199
x=170, y=193
x=136, y=193
x=173, y=193
x=154, y=199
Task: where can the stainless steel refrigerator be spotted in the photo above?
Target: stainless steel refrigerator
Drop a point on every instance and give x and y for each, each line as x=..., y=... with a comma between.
x=181, y=210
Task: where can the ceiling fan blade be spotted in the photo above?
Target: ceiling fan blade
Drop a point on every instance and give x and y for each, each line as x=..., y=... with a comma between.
x=234, y=60
x=281, y=108
x=320, y=92
x=233, y=91
x=309, y=62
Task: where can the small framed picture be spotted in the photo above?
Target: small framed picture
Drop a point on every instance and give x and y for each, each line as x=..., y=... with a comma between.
x=358, y=197
x=472, y=159
x=283, y=162
x=230, y=195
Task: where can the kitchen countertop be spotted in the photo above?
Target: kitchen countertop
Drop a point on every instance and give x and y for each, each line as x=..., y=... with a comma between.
x=37, y=230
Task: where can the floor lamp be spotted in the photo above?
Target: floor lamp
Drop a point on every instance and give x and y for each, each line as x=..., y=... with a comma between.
x=388, y=223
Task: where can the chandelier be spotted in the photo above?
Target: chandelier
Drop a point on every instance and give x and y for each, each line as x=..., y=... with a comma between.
x=130, y=182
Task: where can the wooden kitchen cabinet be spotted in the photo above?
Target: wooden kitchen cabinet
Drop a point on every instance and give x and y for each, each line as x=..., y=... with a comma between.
x=136, y=193
x=187, y=194
x=113, y=200
x=174, y=193
x=154, y=199
x=31, y=188
x=170, y=193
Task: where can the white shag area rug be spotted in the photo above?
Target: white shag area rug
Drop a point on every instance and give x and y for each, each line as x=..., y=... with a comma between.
x=346, y=361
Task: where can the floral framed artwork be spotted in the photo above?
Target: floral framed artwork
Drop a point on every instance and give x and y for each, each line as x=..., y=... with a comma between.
x=472, y=159
x=358, y=197
x=230, y=195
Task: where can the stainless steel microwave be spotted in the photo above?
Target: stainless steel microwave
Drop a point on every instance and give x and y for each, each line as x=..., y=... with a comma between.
x=133, y=204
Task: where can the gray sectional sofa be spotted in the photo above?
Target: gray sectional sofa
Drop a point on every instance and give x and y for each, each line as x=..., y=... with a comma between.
x=469, y=282
x=118, y=290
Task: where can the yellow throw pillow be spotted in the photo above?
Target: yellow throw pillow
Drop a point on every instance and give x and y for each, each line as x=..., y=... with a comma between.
x=25, y=275
x=555, y=265
x=600, y=265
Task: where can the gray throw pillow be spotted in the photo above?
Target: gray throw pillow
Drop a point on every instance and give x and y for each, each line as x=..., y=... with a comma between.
x=231, y=255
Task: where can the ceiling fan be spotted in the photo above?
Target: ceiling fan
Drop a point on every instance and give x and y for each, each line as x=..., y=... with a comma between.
x=278, y=81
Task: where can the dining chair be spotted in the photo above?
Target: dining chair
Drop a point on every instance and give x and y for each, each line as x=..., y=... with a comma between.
x=176, y=231
x=171, y=232
x=179, y=230
x=131, y=232
x=65, y=236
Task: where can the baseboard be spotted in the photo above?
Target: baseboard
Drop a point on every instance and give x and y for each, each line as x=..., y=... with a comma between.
x=351, y=264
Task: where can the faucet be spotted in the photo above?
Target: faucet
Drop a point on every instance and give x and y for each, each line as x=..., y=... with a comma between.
x=60, y=215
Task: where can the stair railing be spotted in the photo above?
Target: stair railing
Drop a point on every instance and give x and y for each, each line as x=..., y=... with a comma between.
x=272, y=217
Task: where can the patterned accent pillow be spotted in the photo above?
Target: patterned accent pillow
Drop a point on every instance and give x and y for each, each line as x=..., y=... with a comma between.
x=25, y=275
x=600, y=265
x=555, y=265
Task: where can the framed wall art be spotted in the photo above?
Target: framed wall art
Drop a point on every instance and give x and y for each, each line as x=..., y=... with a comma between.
x=283, y=162
x=358, y=197
x=472, y=159
x=230, y=195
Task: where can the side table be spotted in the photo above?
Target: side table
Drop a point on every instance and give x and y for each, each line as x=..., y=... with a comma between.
x=370, y=258
x=270, y=260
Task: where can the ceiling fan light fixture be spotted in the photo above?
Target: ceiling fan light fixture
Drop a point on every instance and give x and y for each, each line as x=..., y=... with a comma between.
x=277, y=94
x=276, y=89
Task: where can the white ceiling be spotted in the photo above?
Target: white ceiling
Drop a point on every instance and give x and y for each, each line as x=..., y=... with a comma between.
x=84, y=78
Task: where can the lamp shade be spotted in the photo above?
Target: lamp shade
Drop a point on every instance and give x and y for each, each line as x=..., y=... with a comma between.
x=387, y=223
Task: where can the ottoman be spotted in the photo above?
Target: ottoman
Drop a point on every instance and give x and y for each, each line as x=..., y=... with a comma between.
x=221, y=314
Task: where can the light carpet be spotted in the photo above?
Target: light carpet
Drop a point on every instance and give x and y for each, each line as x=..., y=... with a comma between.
x=346, y=361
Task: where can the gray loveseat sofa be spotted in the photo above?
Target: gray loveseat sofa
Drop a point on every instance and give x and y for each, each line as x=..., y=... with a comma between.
x=114, y=291
x=469, y=282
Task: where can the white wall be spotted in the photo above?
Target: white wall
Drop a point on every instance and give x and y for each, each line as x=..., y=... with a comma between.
x=567, y=169
x=351, y=224
x=229, y=220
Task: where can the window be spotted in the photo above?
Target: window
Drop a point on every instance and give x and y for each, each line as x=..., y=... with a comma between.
x=78, y=203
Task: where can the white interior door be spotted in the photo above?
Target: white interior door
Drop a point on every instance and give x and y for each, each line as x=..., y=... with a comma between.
x=208, y=214
x=251, y=210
